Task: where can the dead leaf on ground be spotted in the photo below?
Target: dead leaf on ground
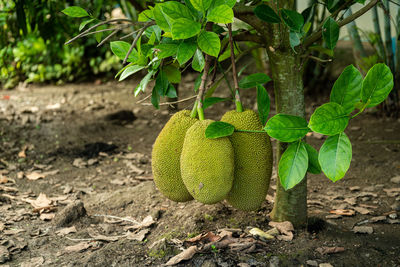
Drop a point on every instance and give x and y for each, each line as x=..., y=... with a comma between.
x=79, y=163
x=3, y=179
x=147, y=222
x=139, y=236
x=392, y=192
x=42, y=202
x=50, y=173
x=66, y=231
x=187, y=254
x=99, y=237
x=363, y=229
x=22, y=153
x=330, y=250
x=285, y=228
x=257, y=232
x=33, y=262
x=377, y=219
x=343, y=212
x=8, y=189
x=362, y=210
x=33, y=176
x=2, y=226
x=47, y=216
x=208, y=237
x=78, y=247
x=13, y=231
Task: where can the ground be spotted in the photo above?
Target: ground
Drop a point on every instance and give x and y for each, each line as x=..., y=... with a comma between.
x=92, y=143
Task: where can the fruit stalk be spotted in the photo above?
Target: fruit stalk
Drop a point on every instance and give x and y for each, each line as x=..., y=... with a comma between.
x=239, y=106
x=202, y=87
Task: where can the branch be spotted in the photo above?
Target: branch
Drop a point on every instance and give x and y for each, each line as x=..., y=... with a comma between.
x=203, y=82
x=246, y=14
x=246, y=36
x=318, y=34
x=150, y=23
x=171, y=103
x=238, y=103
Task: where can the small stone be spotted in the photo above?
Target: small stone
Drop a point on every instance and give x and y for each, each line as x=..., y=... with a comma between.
x=273, y=232
x=363, y=230
x=312, y=263
x=395, y=179
x=91, y=162
x=69, y=214
x=393, y=216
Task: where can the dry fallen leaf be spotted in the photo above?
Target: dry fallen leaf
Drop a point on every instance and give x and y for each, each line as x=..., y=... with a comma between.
x=329, y=250
x=187, y=254
x=261, y=234
x=363, y=229
x=285, y=228
x=8, y=189
x=33, y=176
x=78, y=247
x=362, y=210
x=139, y=236
x=22, y=153
x=47, y=216
x=3, y=179
x=13, y=231
x=343, y=212
x=208, y=237
x=66, y=231
x=147, y=222
x=392, y=192
x=42, y=202
x=2, y=226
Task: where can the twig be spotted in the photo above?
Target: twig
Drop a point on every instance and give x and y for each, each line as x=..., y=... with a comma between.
x=136, y=39
x=320, y=59
x=108, y=37
x=202, y=87
x=171, y=103
x=80, y=239
x=117, y=218
x=238, y=103
x=142, y=100
x=128, y=35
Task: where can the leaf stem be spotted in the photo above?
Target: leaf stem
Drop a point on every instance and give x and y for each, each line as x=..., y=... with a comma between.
x=250, y=131
x=360, y=111
x=239, y=107
x=193, y=114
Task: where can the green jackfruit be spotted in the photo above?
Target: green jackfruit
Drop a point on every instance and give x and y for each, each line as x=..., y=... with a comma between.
x=207, y=165
x=253, y=161
x=166, y=157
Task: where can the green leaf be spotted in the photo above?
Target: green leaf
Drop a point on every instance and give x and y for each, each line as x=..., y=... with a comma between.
x=221, y=14
x=173, y=74
x=130, y=71
x=267, y=14
x=230, y=3
x=143, y=83
x=313, y=163
x=209, y=43
x=121, y=48
x=377, y=85
x=323, y=50
x=166, y=50
x=292, y=19
x=176, y=10
x=197, y=83
x=184, y=28
x=84, y=23
x=227, y=53
x=294, y=39
x=98, y=35
x=161, y=83
x=186, y=51
x=253, y=80
x=201, y=5
x=286, y=128
x=330, y=33
x=162, y=20
x=347, y=89
x=171, y=93
x=198, y=61
x=329, y=119
x=335, y=156
x=146, y=15
x=155, y=98
x=219, y=129
x=293, y=165
x=208, y=102
x=263, y=103
x=75, y=12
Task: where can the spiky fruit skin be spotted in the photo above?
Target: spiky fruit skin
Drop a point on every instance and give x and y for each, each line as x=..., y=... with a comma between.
x=253, y=161
x=166, y=156
x=207, y=165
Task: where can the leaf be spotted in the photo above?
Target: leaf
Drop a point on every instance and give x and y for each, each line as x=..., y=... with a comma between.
x=253, y=80
x=219, y=129
x=313, y=163
x=146, y=15
x=185, y=51
x=155, y=98
x=201, y=5
x=335, y=156
x=292, y=19
x=221, y=14
x=143, y=83
x=208, y=102
x=329, y=119
x=198, y=61
x=84, y=23
x=294, y=39
x=33, y=176
x=286, y=128
x=266, y=13
x=130, y=71
x=176, y=10
x=293, y=165
x=166, y=50
x=377, y=85
x=209, y=43
x=263, y=103
x=121, y=48
x=184, y=28
x=187, y=254
x=347, y=89
x=162, y=20
x=173, y=74
x=98, y=35
x=230, y=3
x=171, y=93
x=161, y=83
x=75, y=12
x=330, y=33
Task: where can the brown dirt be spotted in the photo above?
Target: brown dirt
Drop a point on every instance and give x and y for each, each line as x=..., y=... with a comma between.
x=116, y=183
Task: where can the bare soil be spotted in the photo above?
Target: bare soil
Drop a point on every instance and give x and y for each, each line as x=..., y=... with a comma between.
x=92, y=143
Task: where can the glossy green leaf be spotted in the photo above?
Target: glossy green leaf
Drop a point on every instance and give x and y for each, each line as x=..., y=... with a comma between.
x=293, y=165
x=295, y=39
x=209, y=43
x=219, y=129
x=98, y=35
x=263, y=103
x=166, y=50
x=230, y=3
x=198, y=61
x=347, y=89
x=84, y=23
x=335, y=156
x=185, y=28
x=173, y=74
x=75, y=12
x=146, y=15
x=162, y=20
x=266, y=13
x=329, y=119
x=155, y=98
x=253, y=80
x=130, y=71
x=377, y=85
x=286, y=128
x=292, y=19
x=208, y=102
x=221, y=14
x=161, y=83
x=186, y=50
x=143, y=83
x=171, y=93
x=201, y=5
x=121, y=48
x=313, y=163
x=176, y=10
x=330, y=33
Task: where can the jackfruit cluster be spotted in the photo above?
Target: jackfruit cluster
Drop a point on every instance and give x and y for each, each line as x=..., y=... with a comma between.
x=253, y=161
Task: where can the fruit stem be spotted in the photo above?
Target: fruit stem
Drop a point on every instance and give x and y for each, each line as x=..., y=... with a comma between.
x=193, y=114
x=202, y=87
x=239, y=106
x=200, y=111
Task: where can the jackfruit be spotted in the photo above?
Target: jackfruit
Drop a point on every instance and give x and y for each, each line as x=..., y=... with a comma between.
x=207, y=165
x=166, y=157
x=253, y=161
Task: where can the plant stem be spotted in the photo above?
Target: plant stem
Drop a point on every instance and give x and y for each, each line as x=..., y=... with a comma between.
x=239, y=107
x=202, y=87
x=360, y=111
x=136, y=40
x=250, y=131
x=193, y=114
